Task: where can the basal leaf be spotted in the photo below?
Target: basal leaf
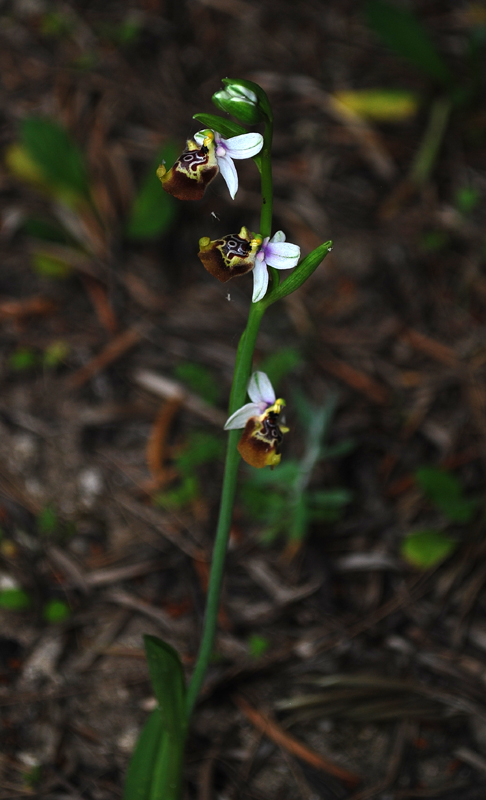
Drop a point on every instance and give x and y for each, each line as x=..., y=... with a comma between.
x=54, y=152
x=153, y=209
x=167, y=679
x=405, y=34
x=225, y=127
x=142, y=765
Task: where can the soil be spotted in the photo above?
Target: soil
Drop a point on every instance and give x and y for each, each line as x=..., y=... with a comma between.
x=97, y=405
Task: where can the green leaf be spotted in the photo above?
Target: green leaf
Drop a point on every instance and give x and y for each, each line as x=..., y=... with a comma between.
x=446, y=492
x=225, y=127
x=300, y=274
x=56, y=611
x=14, y=600
x=167, y=678
x=427, y=548
x=155, y=769
x=279, y=364
x=153, y=210
x=404, y=33
x=199, y=379
x=55, y=153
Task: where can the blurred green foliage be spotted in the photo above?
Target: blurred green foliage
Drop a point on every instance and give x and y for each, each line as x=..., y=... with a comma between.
x=403, y=32
x=14, y=600
x=283, y=500
x=48, y=521
x=257, y=645
x=279, y=364
x=445, y=491
x=427, y=548
x=22, y=359
x=153, y=210
x=56, y=611
x=199, y=380
x=199, y=449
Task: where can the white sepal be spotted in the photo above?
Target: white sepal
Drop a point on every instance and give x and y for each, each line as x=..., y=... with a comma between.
x=261, y=390
x=240, y=417
x=246, y=145
x=260, y=280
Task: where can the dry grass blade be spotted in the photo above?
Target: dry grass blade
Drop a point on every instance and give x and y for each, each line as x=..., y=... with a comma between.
x=112, y=352
x=274, y=732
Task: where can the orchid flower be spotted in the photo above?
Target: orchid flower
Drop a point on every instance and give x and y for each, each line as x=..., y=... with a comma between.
x=274, y=252
x=206, y=155
x=263, y=435
x=237, y=254
x=246, y=145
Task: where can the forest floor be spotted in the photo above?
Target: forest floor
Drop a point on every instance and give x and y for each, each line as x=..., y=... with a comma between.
x=342, y=669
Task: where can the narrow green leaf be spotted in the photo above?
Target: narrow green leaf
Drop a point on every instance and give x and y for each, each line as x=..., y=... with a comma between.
x=300, y=274
x=153, y=209
x=53, y=150
x=225, y=127
x=167, y=679
x=427, y=548
x=142, y=764
x=404, y=33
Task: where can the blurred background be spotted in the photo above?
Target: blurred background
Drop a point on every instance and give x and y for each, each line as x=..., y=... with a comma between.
x=352, y=627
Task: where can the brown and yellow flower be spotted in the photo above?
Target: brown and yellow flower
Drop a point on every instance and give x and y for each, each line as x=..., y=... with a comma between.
x=262, y=436
x=231, y=255
x=206, y=155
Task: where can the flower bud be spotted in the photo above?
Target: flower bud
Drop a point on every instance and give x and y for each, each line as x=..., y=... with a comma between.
x=240, y=99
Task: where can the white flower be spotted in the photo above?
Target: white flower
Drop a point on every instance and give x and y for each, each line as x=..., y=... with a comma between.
x=275, y=252
x=262, y=395
x=246, y=145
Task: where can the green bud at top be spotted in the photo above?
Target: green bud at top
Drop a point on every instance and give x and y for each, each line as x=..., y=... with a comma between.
x=245, y=100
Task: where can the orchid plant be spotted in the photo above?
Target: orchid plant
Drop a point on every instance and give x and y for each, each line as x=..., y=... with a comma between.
x=155, y=771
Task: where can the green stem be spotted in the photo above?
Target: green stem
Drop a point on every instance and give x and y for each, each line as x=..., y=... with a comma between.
x=267, y=181
x=244, y=359
x=243, y=365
